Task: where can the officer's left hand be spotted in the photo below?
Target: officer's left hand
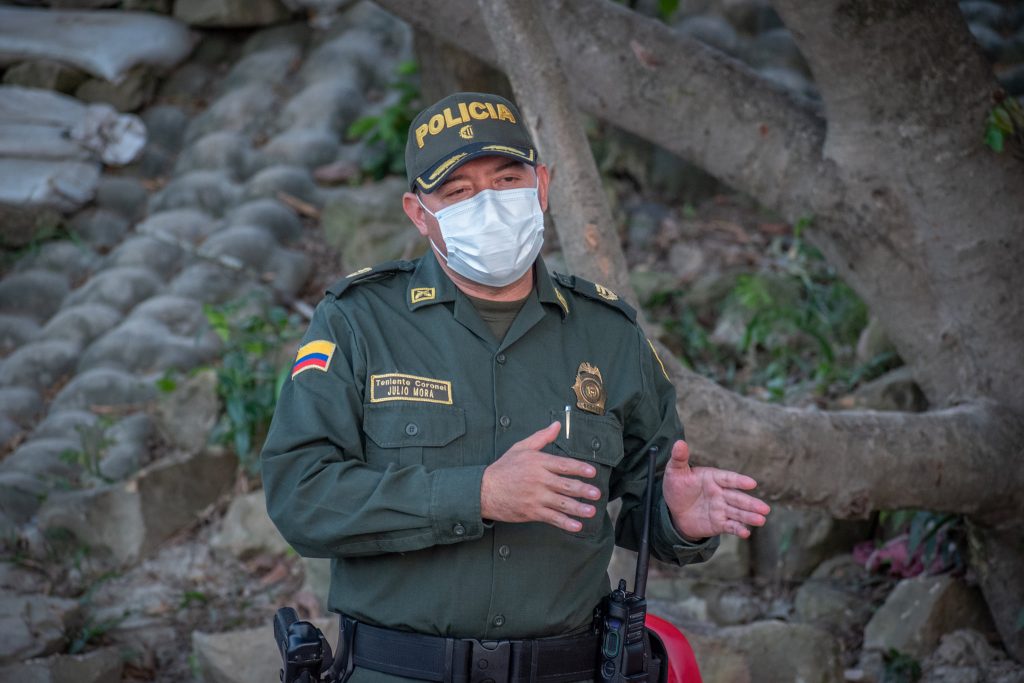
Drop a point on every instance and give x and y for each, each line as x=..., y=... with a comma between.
x=705, y=501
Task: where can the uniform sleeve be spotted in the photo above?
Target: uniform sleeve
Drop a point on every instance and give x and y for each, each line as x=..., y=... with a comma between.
x=323, y=496
x=652, y=422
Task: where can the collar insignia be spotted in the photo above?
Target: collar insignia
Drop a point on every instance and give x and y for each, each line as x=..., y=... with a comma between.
x=418, y=294
x=589, y=388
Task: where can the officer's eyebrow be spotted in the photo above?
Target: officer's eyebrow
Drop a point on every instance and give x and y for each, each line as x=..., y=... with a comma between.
x=456, y=175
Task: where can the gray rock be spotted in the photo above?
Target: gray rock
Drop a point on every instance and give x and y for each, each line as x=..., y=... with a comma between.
x=21, y=404
x=154, y=162
x=247, y=530
x=268, y=67
x=750, y=16
x=990, y=42
x=713, y=31
x=648, y=283
x=21, y=494
x=964, y=656
x=795, y=541
x=166, y=124
x=39, y=365
x=790, y=80
x=64, y=424
x=9, y=430
x=733, y=607
x=181, y=226
x=100, y=227
x=895, y=390
x=35, y=293
x=225, y=151
x=209, y=191
x=73, y=260
x=243, y=656
x=149, y=252
x=48, y=458
x=16, y=331
x=40, y=188
x=368, y=223
x=290, y=180
x=82, y=323
x=181, y=316
x=287, y=270
x=183, y=83
x=144, y=346
x=782, y=653
x=985, y=13
x=187, y=415
x=920, y=610
x=776, y=48
x=338, y=60
x=873, y=342
x=731, y=562
x=129, y=94
x=686, y=261
x=122, y=195
x=121, y=288
x=248, y=109
x=96, y=666
x=296, y=34
x=240, y=246
x=104, y=388
x=717, y=661
x=831, y=606
x=130, y=446
x=1012, y=79
x=230, y=13
x=18, y=578
x=270, y=214
x=34, y=625
x=308, y=148
x=44, y=74
x=332, y=104
x=126, y=522
x=208, y=282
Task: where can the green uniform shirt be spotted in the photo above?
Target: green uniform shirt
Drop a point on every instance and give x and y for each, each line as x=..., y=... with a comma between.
x=401, y=396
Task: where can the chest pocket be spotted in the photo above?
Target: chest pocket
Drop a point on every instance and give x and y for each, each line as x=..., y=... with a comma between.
x=597, y=439
x=414, y=434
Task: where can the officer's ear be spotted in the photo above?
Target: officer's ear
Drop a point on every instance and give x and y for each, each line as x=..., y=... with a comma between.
x=543, y=179
x=416, y=213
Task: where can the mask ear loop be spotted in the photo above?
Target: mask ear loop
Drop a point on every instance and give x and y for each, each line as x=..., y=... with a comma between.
x=440, y=255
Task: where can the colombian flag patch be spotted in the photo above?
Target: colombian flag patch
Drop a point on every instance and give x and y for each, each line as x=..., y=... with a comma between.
x=316, y=354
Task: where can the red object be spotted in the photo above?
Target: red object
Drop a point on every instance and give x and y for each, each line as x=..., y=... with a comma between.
x=682, y=664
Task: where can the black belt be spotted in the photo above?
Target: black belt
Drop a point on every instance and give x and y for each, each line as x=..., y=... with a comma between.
x=466, y=660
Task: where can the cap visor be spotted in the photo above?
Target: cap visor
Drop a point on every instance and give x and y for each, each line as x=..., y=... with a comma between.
x=435, y=176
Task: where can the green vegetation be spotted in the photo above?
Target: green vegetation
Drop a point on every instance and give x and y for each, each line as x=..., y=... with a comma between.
x=796, y=323
x=94, y=445
x=938, y=538
x=1005, y=120
x=385, y=133
x=900, y=668
x=251, y=374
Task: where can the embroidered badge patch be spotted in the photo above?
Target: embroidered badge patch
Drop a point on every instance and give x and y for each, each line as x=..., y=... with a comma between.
x=394, y=386
x=314, y=355
x=589, y=388
x=418, y=294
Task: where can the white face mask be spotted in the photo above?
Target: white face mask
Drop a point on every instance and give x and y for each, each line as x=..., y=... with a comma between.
x=493, y=237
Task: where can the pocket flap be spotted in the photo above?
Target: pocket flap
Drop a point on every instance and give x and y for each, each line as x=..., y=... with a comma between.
x=594, y=438
x=396, y=425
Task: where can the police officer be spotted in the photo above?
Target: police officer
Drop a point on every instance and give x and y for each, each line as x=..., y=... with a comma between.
x=455, y=426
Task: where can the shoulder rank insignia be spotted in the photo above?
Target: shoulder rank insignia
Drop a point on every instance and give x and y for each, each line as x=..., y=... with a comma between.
x=369, y=275
x=589, y=388
x=314, y=355
x=596, y=292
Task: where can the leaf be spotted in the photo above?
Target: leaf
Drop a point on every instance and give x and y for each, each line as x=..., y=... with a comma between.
x=361, y=127
x=994, y=139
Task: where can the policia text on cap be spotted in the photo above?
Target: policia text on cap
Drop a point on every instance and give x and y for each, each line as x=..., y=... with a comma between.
x=455, y=426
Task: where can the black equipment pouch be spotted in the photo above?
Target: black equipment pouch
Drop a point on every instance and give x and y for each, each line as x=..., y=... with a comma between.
x=305, y=653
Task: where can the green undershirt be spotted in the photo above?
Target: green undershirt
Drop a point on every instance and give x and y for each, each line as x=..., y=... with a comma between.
x=497, y=314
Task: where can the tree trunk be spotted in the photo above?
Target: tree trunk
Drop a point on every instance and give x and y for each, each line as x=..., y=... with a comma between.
x=908, y=205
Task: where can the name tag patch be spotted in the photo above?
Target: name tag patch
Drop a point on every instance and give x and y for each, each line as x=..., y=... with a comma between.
x=395, y=386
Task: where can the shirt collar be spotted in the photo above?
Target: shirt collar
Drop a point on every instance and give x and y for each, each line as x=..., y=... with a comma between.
x=430, y=285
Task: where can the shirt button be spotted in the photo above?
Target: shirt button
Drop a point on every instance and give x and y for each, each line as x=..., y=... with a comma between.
x=504, y=421
x=459, y=530
x=500, y=358
x=499, y=620
x=504, y=551
x=596, y=444
x=411, y=429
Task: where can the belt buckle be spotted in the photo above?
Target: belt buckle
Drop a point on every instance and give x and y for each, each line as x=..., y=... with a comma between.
x=489, y=661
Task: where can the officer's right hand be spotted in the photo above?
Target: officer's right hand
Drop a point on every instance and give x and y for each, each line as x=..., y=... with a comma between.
x=526, y=485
